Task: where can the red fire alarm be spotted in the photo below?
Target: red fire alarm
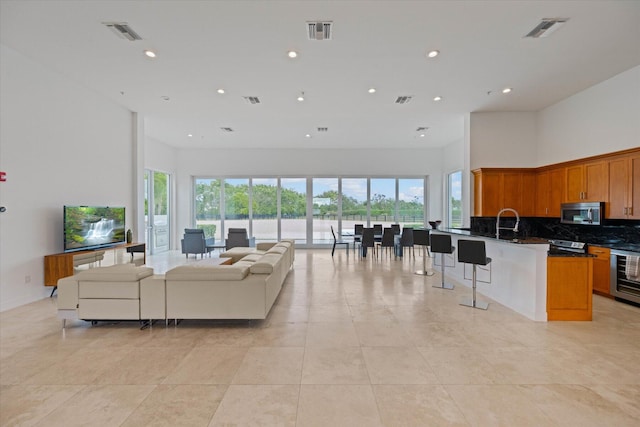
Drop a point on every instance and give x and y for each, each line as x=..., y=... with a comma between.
x=3, y=176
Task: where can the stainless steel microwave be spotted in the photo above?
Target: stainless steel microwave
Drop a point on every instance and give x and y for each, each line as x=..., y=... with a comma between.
x=582, y=213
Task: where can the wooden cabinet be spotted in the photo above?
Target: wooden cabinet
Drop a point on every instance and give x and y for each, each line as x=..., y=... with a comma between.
x=549, y=192
x=495, y=189
x=587, y=182
x=569, y=288
x=624, y=187
x=601, y=270
x=57, y=266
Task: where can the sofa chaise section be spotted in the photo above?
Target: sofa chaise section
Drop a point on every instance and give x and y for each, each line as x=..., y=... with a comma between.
x=107, y=293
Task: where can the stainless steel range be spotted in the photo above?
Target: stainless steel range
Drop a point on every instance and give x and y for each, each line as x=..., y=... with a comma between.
x=625, y=273
x=559, y=247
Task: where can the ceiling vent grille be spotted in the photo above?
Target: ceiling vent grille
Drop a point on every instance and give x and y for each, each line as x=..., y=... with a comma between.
x=546, y=27
x=122, y=30
x=226, y=129
x=422, y=129
x=323, y=129
x=252, y=99
x=404, y=99
x=319, y=30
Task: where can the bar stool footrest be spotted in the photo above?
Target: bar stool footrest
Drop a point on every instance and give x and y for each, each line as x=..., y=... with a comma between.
x=424, y=273
x=478, y=304
x=448, y=286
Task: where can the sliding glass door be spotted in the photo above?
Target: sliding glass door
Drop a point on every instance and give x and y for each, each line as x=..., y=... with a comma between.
x=305, y=209
x=157, y=207
x=293, y=209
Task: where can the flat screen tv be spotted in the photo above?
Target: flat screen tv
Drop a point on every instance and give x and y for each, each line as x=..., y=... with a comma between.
x=91, y=227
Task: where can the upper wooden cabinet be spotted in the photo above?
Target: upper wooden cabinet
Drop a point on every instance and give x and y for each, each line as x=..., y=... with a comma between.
x=587, y=182
x=611, y=178
x=549, y=192
x=624, y=187
x=495, y=189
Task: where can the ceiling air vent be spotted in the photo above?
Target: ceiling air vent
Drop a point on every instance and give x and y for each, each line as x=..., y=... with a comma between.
x=422, y=129
x=546, y=27
x=319, y=30
x=252, y=99
x=227, y=129
x=404, y=99
x=323, y=129
x=122, y=30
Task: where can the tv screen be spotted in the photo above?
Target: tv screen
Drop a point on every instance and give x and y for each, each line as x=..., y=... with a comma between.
x=90, y=227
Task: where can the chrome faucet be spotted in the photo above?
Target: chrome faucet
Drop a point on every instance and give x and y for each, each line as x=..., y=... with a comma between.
x=515, y=227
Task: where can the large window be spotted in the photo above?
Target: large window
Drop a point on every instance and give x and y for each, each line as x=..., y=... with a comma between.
x=411, y=202
x=354, y=203
x=293, y=209
x=264, y=202
x=207, y=207
x=454, y=208
x=305, y=209
x=383, y=201
x=236, y=203
x=325, y=209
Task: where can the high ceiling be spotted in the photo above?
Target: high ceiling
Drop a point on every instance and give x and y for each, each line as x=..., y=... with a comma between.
x=241, y=46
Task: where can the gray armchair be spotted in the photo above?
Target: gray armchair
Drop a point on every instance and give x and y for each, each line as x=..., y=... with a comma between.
x=237, y=237
x=195, y=243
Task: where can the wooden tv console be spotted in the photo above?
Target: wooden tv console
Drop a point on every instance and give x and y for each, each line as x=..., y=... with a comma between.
x=57, y=266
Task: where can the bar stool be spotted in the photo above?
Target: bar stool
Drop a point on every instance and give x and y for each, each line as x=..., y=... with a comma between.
x=421, y=238
x=441, y=244
x=473, y=252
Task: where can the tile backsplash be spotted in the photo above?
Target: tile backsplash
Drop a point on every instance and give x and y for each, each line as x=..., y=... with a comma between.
x=613, y=231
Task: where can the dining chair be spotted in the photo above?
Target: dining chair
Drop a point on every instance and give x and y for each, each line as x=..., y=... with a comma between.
x=357, y=235
x=396, y=229
x=406, y=240
x=388, y=241
x=337, y=241
x=368, y=241
x=377, y=229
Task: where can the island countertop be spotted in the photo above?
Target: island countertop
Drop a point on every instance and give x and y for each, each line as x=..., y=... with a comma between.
x=516, y=276
x=517, y=240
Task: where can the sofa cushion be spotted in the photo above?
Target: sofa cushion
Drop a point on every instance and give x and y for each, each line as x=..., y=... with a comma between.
x=115, y=273
x=266, y=264
x=199, y=272
x=252, y=257
x=237, y=253
x=277, y=250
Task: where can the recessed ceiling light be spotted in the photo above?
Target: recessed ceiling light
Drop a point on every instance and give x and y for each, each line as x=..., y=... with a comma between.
x=221, y=91
x=301, y=97
x=372, y=90
x=422, y=135
x=433, y=53
x=437, y=98
x=190, y=135
x=308, y=135
x=150, y=53
x=292, y=54
x=507, y=90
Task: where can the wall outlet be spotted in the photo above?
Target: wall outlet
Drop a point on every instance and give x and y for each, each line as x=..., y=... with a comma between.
x=27, y=279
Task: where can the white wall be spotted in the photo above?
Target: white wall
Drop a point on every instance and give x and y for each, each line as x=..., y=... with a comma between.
x=305, y=163
x=503, y=139
x=598, y=120
x=59, y=144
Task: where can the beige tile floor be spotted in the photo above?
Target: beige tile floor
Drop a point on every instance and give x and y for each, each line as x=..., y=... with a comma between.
x=349, y=342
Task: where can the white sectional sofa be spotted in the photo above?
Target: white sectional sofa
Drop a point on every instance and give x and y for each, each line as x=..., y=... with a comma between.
x=110, y=293
x=246, y=289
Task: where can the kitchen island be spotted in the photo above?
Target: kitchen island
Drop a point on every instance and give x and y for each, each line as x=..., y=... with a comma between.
x=516, y=276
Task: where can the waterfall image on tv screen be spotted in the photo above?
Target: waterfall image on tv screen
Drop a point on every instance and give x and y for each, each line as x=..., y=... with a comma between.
x=87, y=227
